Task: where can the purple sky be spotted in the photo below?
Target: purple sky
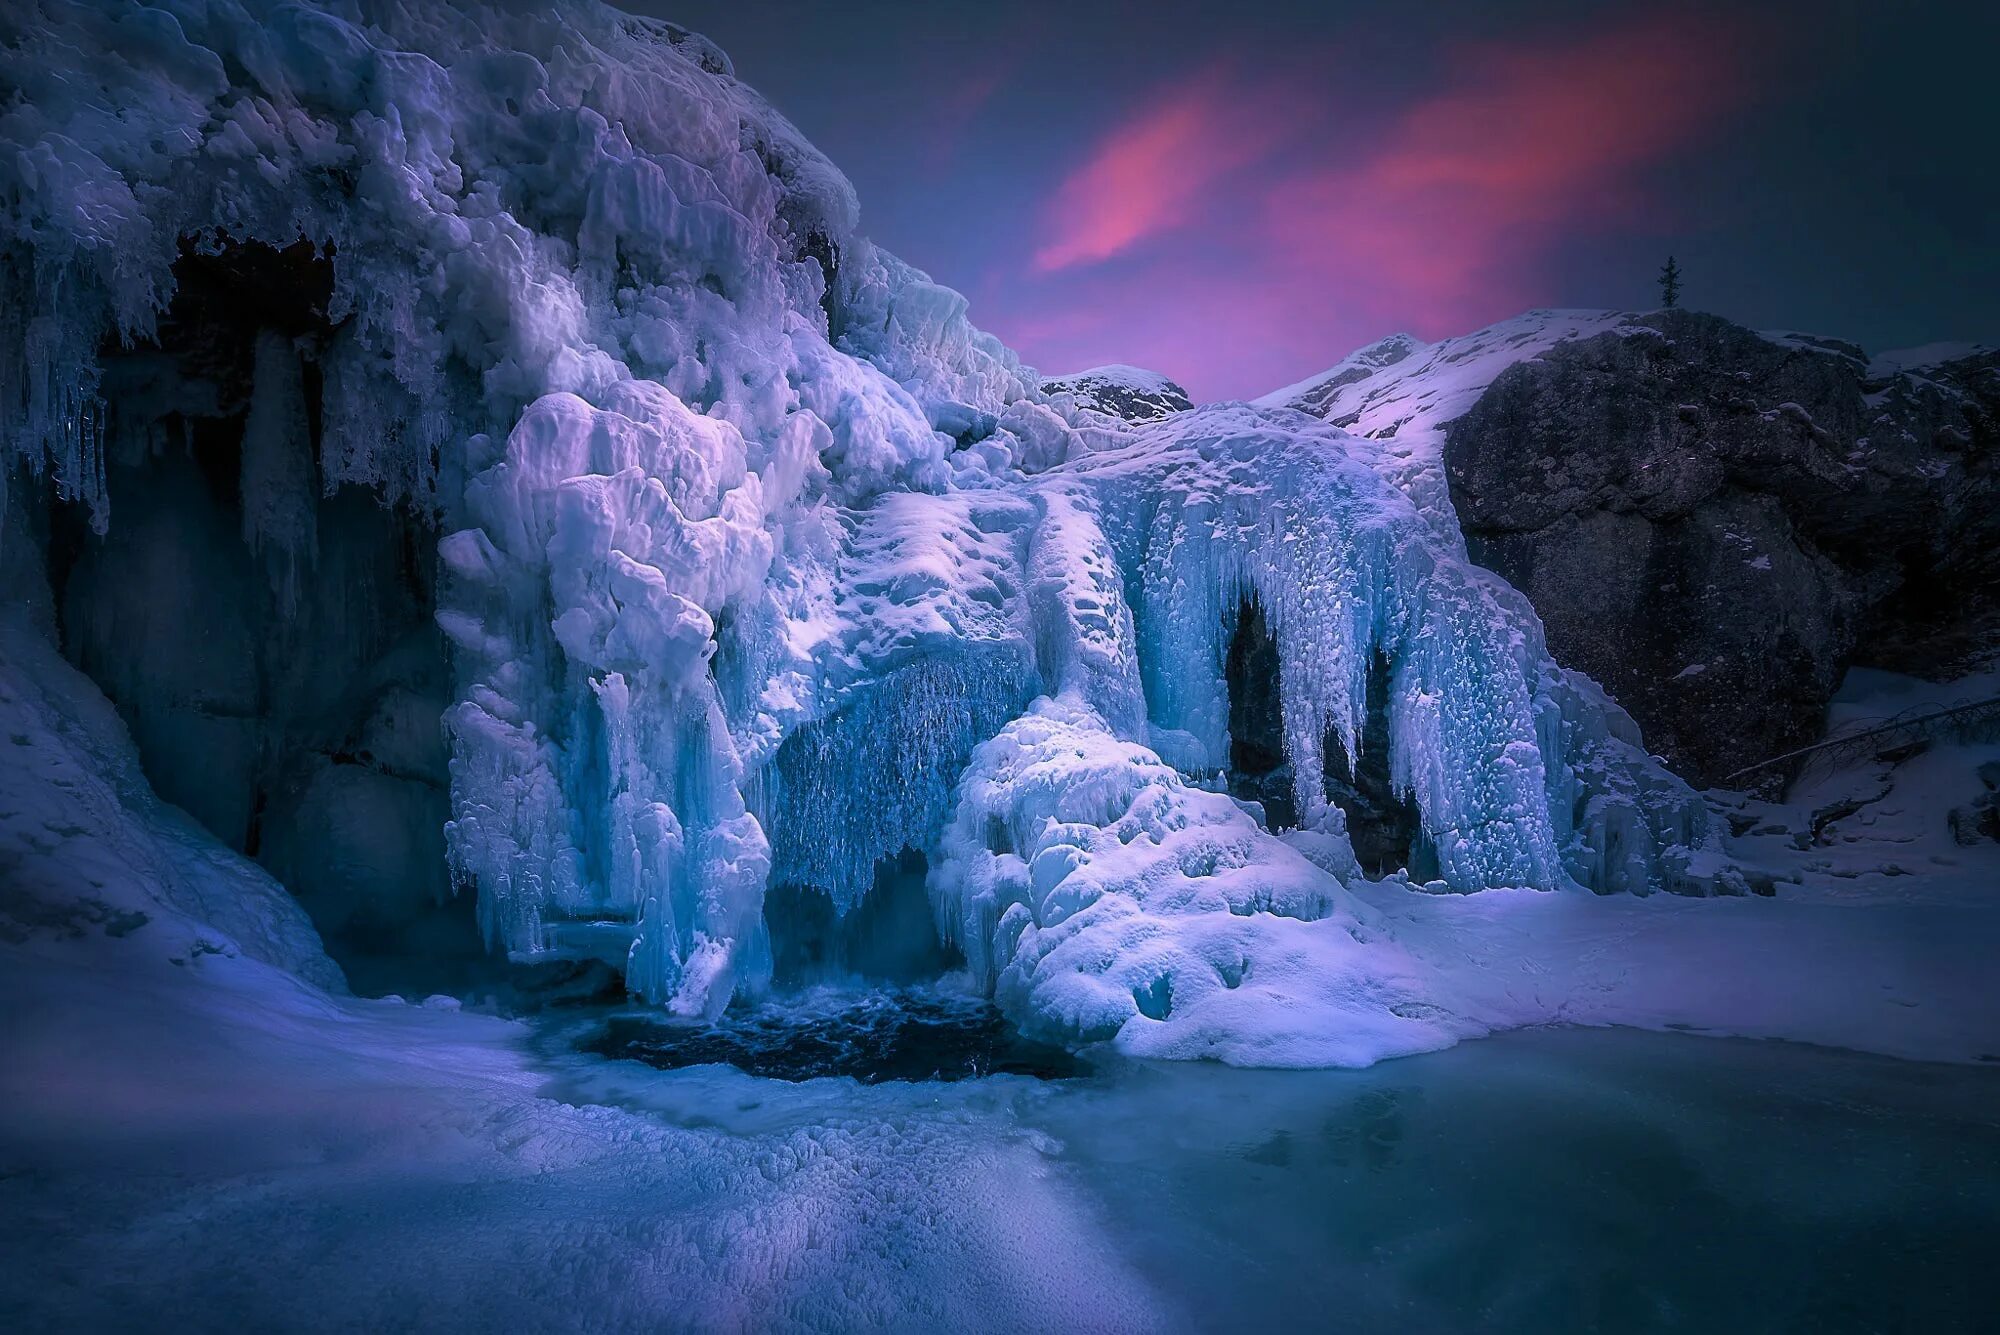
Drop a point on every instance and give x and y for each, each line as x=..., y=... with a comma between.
x=1238, y=195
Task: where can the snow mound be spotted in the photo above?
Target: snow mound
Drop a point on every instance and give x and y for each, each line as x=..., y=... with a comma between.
x=1103, y=898
x=89, y=856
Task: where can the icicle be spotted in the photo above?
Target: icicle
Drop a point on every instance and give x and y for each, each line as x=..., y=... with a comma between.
x=51, y=415
x=877, y=777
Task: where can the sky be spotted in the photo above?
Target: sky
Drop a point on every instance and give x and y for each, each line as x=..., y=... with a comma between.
x=1240, y=194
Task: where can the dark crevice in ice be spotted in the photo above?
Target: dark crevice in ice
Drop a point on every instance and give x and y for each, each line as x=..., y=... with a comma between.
x=1382, y=825
x=889, y=937
x=821, y=249
x=1258, y=771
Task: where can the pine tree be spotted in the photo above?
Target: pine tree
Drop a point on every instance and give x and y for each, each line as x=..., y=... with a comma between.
x=1670, y=283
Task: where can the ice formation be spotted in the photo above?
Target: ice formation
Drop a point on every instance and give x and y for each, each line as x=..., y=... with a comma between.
x=759, y=563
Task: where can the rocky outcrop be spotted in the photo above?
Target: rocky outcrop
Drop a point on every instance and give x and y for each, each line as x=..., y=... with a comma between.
x=1716, y=523
x=1130, y=392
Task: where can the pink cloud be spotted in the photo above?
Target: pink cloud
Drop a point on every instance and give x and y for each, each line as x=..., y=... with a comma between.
x=1443, y=215
x=1149, y=173
x=1446, y=220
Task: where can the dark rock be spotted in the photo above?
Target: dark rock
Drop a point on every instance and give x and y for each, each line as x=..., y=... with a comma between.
x=1979, y=819
x=1123, y=391
x=1716, y=524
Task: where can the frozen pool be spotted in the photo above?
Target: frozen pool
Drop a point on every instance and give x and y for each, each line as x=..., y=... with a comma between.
x=1557, y=1180
x=1543, y=1180
x=364, y=1166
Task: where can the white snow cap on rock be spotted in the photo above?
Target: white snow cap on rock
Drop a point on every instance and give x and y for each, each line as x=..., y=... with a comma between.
x=1401, y=393
x=1130, y=392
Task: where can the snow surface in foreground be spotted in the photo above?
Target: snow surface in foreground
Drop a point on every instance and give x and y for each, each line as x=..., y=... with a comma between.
x=247, y=1158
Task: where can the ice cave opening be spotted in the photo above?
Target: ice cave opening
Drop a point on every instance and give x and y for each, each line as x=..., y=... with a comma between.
x=889, y=937
x=270, y=641
x=1258, y=771
x=1382, y=823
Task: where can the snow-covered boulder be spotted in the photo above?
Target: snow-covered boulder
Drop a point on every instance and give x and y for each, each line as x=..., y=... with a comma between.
x=1130, y=392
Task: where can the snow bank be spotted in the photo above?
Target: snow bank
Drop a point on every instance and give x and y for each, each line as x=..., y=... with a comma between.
x=89, y=857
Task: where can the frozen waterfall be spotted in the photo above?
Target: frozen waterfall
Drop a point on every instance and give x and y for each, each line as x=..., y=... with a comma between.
x=758, y=564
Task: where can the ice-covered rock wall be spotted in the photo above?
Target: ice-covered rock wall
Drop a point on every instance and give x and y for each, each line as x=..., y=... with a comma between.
x=759, y=564
x=1713, y=522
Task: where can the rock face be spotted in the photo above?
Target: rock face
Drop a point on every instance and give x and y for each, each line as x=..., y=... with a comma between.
x=1130, y=392
x=1716, y=523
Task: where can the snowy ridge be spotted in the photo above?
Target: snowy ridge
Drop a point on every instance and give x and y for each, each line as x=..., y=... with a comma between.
x=1316, y=392
x=1914, y=361
x=1119, y=374
x=756, y=554
x=1401, y=393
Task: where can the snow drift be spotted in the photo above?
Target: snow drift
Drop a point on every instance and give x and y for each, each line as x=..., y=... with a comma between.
x=758, y=563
